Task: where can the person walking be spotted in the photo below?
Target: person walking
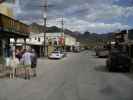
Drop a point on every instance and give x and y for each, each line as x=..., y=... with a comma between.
x=19, y=54
x=34, y=62
x=7, y=55
x=26, y=58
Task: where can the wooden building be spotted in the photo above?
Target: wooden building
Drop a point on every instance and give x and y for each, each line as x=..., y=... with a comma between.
x=11, y=28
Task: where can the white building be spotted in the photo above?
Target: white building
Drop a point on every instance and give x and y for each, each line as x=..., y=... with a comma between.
x=70, y=41
x=39, y=38
x=53, y=41
x=54, y=38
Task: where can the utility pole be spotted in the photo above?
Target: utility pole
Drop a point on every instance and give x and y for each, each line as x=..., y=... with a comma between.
x=62, y=24
x=62, y=37
x=45, y=26
x=62, y=30
x=45, y=10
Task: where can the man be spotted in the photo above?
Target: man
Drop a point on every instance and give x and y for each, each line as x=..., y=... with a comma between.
x=27, y=57
x=34, y=62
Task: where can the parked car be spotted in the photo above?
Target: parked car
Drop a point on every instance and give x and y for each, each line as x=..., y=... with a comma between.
x=56, y=55
x=118, y=61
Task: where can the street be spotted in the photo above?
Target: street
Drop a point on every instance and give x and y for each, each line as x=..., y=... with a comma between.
x=80, y=76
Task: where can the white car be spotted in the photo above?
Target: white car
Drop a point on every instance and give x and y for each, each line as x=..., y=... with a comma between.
x=56, y=55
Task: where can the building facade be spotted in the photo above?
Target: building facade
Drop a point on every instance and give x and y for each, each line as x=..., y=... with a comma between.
x=5, y=9
x=54, y=41
x=11, y=28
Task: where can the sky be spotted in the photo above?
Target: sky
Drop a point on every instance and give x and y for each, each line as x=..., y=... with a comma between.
x=95, y=16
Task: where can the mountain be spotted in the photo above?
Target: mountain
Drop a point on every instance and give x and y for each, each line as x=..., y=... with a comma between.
x=39, y=28
x=93, y=39
x=36, y=28
x=86, y=38
x=53, y=29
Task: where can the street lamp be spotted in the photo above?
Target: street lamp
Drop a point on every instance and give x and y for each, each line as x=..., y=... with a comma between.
x=45, y=26
x=45, y=31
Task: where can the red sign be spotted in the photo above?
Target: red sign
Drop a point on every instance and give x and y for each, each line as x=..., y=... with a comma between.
x=61, y=41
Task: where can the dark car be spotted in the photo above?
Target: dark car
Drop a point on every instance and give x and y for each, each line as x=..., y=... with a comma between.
x=118, y=61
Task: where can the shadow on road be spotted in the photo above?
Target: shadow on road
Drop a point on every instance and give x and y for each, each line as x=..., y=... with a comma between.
x=130, y=74
x=94, y=56
x=104, y=69
x=101, y=69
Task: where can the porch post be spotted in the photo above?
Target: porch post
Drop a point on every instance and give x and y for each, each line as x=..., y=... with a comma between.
x=24, y=43
x=15, y=42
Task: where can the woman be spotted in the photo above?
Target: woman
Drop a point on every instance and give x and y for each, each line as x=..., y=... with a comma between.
x=18, y=54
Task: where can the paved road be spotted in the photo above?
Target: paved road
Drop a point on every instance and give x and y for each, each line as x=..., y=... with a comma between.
x=78, y=77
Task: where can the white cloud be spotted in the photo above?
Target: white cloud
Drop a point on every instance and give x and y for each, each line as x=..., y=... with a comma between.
x=94, y=26
x=80, y=15
x=109, y=12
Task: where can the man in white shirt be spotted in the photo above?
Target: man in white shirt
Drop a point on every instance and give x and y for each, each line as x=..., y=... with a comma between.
x=27, y=57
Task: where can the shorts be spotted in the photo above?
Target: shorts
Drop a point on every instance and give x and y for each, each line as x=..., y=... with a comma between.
x=33, y=65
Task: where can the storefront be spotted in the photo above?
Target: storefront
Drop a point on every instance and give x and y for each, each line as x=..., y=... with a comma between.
x=11, y=28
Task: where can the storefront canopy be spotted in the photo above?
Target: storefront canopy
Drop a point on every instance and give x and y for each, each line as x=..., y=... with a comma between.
x=12, y=28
